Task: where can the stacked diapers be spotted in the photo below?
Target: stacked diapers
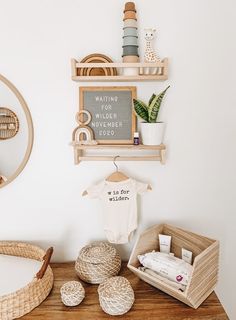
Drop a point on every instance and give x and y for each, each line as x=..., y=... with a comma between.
x=174, y=271
x=130, y=38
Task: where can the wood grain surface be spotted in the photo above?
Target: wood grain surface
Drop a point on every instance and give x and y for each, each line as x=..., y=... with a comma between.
x=150, y=303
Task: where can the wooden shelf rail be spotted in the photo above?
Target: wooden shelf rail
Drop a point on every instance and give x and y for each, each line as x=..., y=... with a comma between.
x=143, y=67
x=158, y=153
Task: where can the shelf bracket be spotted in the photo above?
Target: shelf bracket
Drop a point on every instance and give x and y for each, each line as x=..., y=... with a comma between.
x=163, y=156
x=77, y=155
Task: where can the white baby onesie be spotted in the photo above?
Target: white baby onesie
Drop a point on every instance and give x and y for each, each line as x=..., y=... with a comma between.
x=119, y=202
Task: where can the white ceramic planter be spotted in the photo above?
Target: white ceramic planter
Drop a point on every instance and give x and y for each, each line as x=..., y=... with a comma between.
x=152, y=133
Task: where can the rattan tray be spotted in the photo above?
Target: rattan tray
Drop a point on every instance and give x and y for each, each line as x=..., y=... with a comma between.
x=21, y=302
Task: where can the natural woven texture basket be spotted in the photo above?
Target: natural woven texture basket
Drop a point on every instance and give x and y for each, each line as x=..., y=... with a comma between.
x=72, y=293
x=116, y=296
x=97, y=262
x=21, y=302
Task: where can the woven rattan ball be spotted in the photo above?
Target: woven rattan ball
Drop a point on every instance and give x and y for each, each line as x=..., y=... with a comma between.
x=72, y=293
x=116, y=296
x=97, y=262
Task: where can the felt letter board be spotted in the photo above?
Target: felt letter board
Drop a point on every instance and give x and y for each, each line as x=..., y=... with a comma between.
x=113, y=119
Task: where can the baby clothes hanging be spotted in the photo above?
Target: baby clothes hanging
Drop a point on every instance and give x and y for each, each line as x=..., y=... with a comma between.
x=119, y=202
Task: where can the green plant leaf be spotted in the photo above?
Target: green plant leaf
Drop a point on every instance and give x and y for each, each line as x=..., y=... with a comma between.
x=151, y=99
x=141, y=109
x=154, y=107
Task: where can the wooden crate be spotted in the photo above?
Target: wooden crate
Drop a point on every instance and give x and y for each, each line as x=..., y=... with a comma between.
x=205, y=262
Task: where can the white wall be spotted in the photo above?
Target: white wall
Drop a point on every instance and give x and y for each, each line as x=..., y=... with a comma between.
x=196, y=187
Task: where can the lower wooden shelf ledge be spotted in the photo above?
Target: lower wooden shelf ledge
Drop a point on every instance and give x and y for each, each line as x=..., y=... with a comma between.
x=158, y=153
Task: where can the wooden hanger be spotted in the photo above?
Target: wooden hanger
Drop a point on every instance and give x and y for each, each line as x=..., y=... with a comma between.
x=116, y=176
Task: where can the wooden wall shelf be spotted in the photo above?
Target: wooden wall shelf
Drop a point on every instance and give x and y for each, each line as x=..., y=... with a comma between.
x=75, y=65
x=158, y=153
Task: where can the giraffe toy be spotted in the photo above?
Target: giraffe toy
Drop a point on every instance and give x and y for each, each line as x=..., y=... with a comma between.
x=150, y=54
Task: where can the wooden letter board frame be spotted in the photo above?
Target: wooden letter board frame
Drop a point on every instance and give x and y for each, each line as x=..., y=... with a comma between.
x=132, y=89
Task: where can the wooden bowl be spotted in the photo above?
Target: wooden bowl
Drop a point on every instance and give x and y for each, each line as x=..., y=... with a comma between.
x=130, y=41
x=129, y=59
x=96, y=58
x=129, y=15
x=130, y=51
x=130, y=6
x=130, y=32
x=130, y=23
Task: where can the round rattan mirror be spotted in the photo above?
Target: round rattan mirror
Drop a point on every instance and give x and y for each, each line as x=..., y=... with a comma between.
x=16, y=132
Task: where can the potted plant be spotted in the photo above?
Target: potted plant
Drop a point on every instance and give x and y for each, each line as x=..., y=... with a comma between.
x=152, y=132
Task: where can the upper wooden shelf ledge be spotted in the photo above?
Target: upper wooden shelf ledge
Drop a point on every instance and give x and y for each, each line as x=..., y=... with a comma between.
x=143, y=68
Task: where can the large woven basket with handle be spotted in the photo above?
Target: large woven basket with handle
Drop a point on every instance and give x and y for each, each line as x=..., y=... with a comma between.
x=97, y=262
x=21, y=302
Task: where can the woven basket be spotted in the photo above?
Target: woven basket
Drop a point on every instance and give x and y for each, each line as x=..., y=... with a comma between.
x=21, y=302
x=97, y=262
x=116, y=296
x=72, y=293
